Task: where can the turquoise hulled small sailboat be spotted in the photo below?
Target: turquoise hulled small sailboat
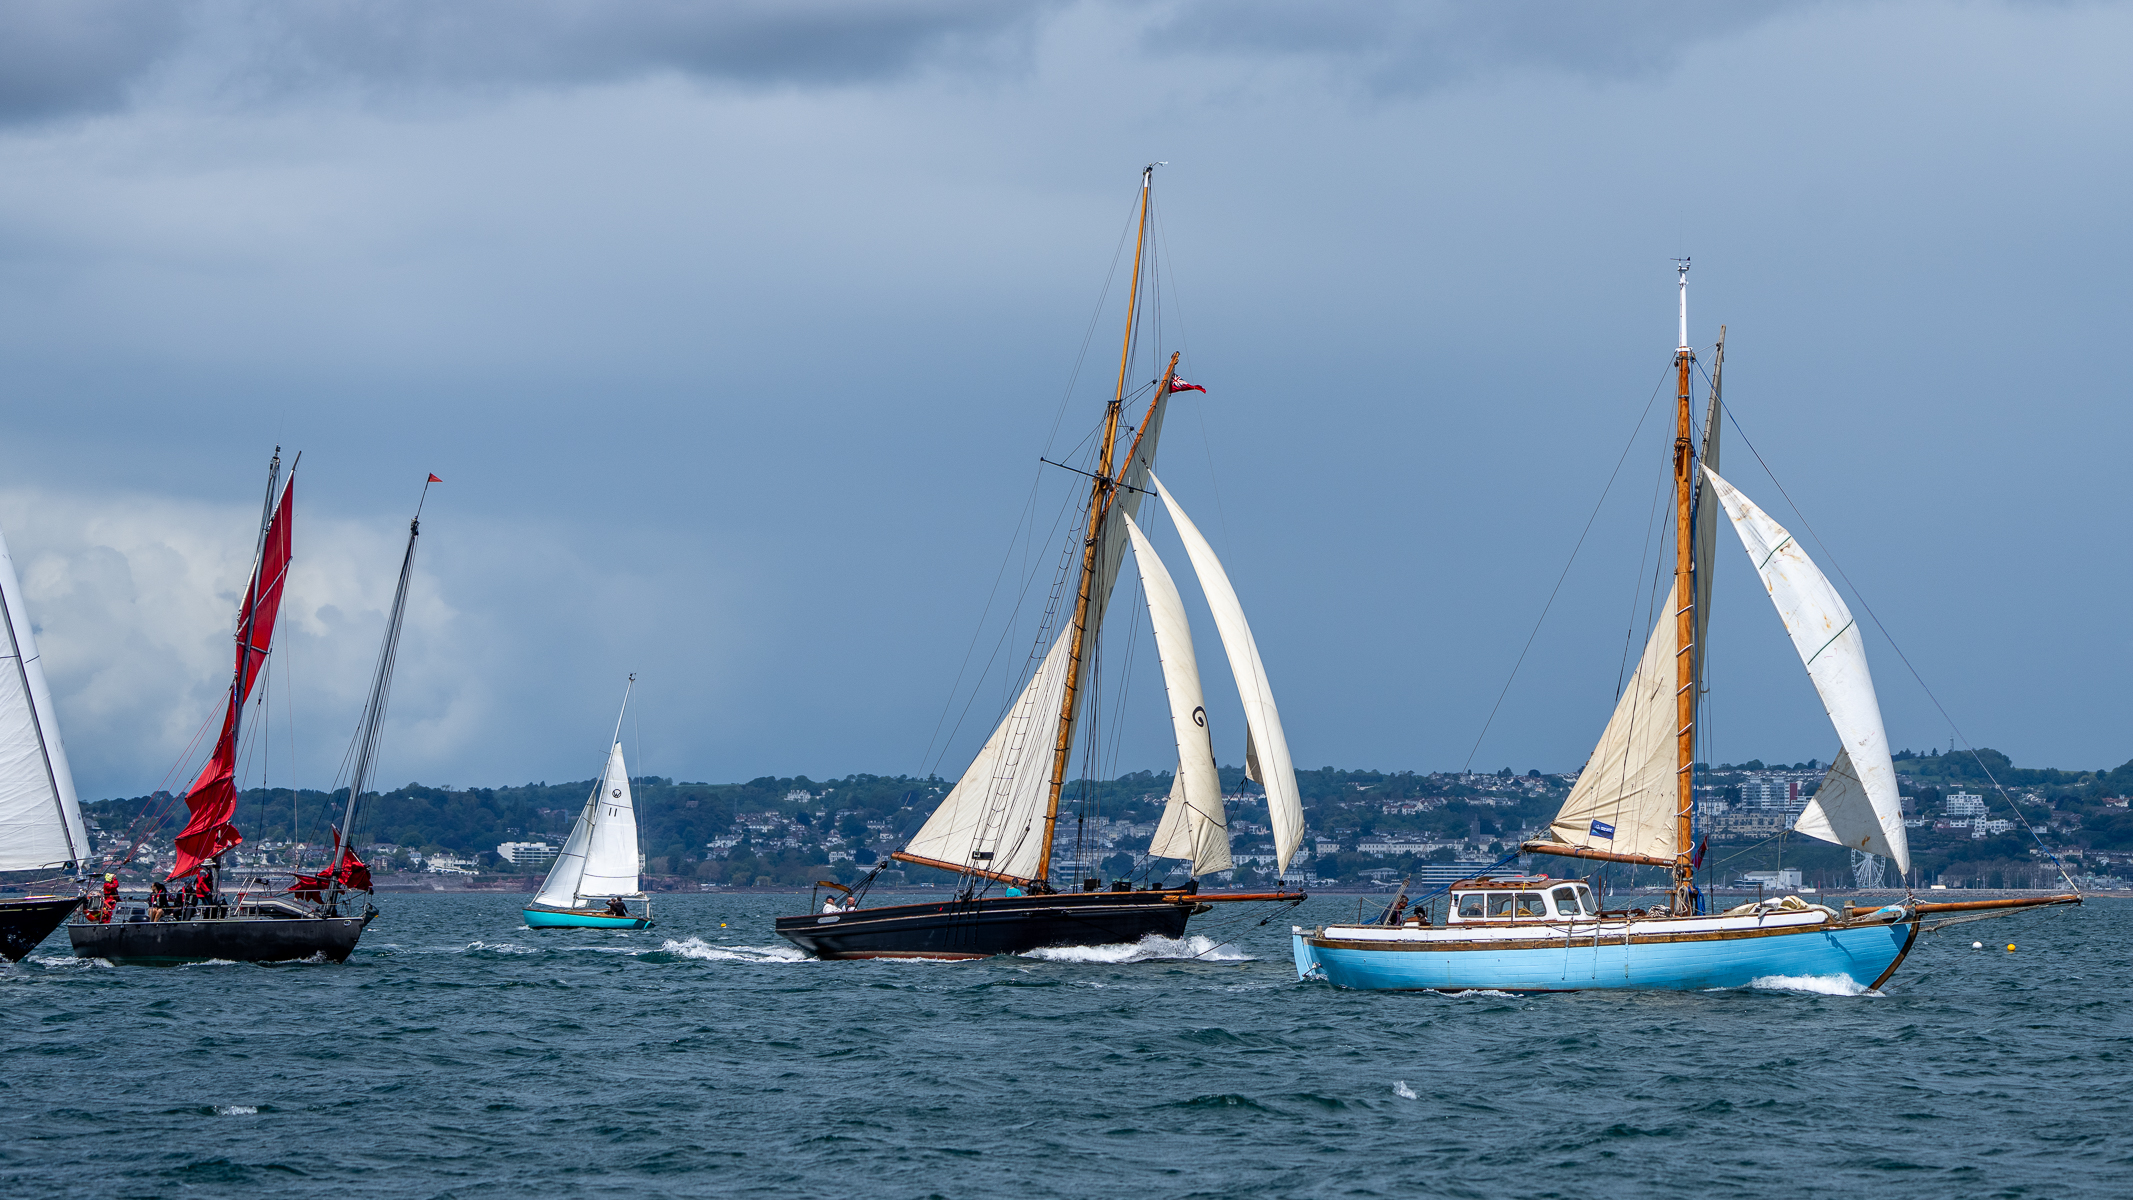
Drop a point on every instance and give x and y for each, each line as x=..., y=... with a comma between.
x=596, y=874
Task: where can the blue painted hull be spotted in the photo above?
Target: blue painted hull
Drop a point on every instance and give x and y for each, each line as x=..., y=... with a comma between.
x=549, y=918
x=1865, y=954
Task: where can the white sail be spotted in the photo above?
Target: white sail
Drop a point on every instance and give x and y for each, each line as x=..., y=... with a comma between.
x=40, y=819
x=1192, y=826
x=600, y=857
x=1628, y=797
x=993, y=819
x=1262, y=721
x=1858, y=806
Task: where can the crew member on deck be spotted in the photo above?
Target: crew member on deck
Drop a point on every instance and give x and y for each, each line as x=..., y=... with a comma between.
x=204, y=891
x=158, y=901
x=616, y=908
x=111, y=896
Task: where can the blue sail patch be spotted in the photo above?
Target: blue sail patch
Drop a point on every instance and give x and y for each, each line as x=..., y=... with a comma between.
x=1601, y=829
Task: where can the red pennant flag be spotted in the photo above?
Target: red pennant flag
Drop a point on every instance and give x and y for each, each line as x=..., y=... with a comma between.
x=1179, y=385
x=434, y=479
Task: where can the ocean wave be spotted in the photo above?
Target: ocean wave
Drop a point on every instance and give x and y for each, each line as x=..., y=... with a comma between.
x=68, y=962
x=1818, y=985
x=236, y=1110
x=1404, y=1092
x=698, y=948
x=498, y=948
x=1152, y=948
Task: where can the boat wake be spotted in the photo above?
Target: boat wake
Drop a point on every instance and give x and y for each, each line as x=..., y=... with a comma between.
x=1153, y=948
x=236, y=1110
x=1814, y=985
x=698, y=948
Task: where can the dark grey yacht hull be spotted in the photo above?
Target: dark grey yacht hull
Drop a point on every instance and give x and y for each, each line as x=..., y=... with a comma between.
x=28, y=920
x=232, y=939
x=987, y=925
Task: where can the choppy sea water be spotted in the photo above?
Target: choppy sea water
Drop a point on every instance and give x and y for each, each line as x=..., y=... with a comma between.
x=459, y=1054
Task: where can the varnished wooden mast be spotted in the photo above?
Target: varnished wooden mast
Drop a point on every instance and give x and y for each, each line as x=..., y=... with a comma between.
x=1100, y=493
x=1685, y=654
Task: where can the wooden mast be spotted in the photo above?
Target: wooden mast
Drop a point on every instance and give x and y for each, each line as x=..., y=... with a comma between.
x=1685, y=654
x=1100, y=492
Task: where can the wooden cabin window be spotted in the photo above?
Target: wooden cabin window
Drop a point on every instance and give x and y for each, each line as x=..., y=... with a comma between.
x=1567, y=902
x=1530, y=904
x=1471, y=906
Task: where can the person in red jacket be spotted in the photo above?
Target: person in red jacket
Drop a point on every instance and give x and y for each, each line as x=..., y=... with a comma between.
x=111, y=897
x=204, y=891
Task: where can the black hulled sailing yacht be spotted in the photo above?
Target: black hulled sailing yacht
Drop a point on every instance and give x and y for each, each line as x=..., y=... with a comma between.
x=41, y=828
x=318, y=916
x=995, y=829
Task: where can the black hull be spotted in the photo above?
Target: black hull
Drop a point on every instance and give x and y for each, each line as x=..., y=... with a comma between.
x=26, y=922
x=235, y=939
x=989, y=925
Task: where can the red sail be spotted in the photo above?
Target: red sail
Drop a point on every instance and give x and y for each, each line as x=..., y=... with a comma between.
x=350, y=871
x=213, y=796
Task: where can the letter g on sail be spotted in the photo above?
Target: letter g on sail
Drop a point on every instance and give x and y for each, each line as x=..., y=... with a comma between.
x=1199, y=716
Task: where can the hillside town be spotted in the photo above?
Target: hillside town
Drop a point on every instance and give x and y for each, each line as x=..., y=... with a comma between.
x=1364, y=829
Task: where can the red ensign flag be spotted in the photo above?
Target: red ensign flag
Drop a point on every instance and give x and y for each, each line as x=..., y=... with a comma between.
x=1179, y=385
x=434, y=479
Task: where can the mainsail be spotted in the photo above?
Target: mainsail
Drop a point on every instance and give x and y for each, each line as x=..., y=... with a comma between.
x=1857, y=805
x=1192, y=826
x=1626, y=797
x=600, y=858
x=40, y=820
x=1262, y=721
x=212, y=799
x=992, y=820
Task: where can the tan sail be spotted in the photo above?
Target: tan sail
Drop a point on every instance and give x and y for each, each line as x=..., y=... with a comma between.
x=1625, y=799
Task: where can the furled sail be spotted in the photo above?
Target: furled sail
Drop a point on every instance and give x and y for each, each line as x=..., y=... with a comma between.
x=1627, y=798
x=992, y=820
x=600, y=857
x=40, y=820
x=212, y=799
x=1262, y=721
x=1192, y=826
x=1858, y=804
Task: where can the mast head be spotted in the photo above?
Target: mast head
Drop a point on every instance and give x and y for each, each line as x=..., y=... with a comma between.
x=1681, y=270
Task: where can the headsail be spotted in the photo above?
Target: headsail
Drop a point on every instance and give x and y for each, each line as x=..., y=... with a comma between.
x=212, y=799
x=1192, y=826
x=1858, y=804
x=1626, y=798
x=1262, y=721
x=40, y=819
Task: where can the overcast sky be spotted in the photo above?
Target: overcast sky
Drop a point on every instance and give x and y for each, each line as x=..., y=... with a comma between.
x=737, y=331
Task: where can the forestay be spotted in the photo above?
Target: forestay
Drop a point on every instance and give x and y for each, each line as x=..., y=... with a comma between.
x=600, y=858
x=992, y=819
x=40, y=820
x=1857, y=805
x=1628, y=796
x=1262, y=720
x=1192, y=826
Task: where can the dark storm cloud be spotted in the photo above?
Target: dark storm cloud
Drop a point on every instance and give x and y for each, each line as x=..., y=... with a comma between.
x=1424, y=44
x=61, y=57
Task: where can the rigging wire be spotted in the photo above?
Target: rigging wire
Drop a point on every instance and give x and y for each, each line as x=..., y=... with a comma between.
x=1572, y=560
x=1905, y=658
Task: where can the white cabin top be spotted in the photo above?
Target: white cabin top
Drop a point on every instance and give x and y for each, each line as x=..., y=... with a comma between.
x=1520, y=897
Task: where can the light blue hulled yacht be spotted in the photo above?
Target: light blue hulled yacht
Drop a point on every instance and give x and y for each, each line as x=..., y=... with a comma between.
x=1632, y=804
x=595, y=876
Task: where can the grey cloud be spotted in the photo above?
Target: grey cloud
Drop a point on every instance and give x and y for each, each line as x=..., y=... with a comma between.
x=60, y=58
x=1424, y=44
x=66, y=56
